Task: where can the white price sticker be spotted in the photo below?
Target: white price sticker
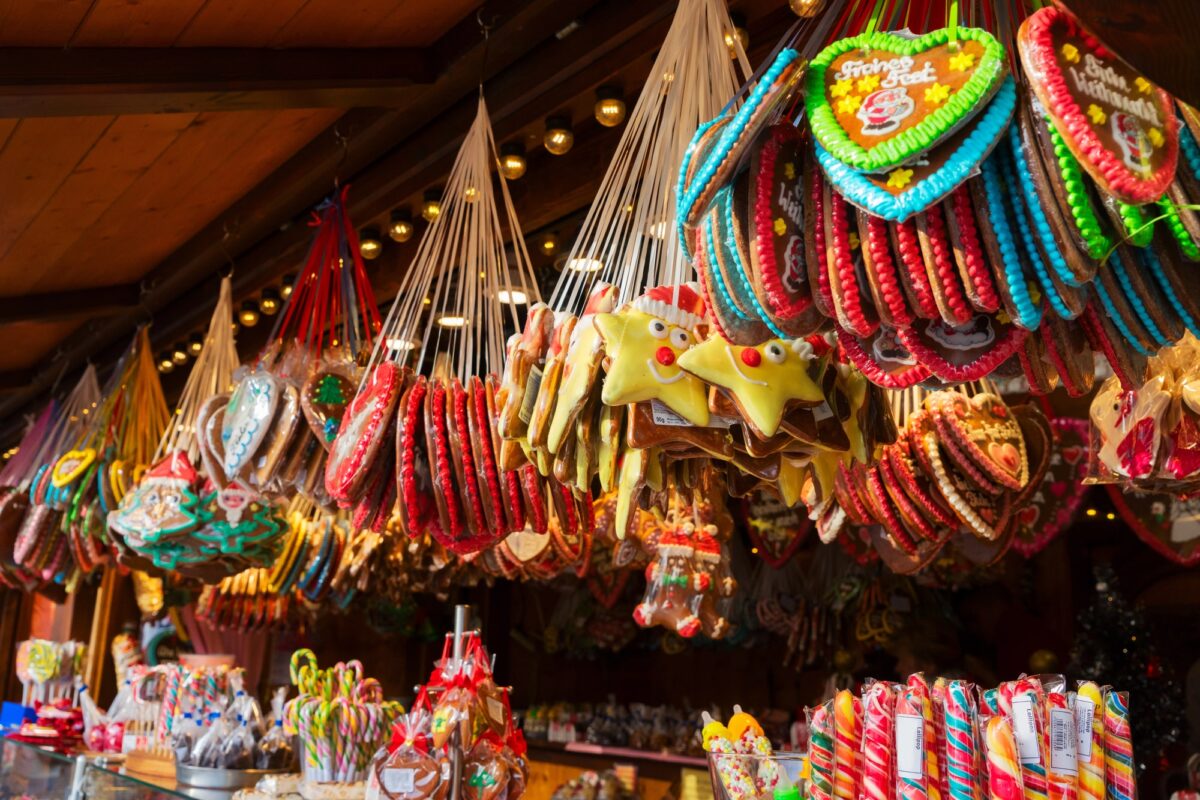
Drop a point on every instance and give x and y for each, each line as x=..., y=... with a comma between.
x=665, y=416
x=1085, y=713
x=910, y=746
x=1025, y=730
x=1062, y=741
x=399, y=781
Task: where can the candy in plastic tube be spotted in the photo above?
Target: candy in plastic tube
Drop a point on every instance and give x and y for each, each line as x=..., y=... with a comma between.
x=1004, y=771
x=879, y=704
x=1089, y=748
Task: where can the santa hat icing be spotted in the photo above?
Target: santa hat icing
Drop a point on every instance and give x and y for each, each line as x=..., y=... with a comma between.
x=174, y=470
x=681, y=305
x=707, y=547
x=674, y=543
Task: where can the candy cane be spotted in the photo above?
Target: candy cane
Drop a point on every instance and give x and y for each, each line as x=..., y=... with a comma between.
x=959, y=716
x=1004, y=772
x=847, y=745
x=879, y=703
x=1090, y=760
x=1118, y=747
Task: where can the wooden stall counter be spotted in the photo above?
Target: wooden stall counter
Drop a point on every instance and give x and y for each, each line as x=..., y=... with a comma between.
x=659, y=776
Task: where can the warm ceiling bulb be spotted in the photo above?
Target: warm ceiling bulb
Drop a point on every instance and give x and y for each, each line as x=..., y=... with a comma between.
x=610, y=108
x=512, y=161
x=558, y=138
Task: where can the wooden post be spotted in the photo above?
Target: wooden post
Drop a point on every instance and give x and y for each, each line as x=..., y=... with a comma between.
x=100, y=636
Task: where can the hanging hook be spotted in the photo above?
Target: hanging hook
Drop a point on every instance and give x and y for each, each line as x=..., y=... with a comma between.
x=485, y=27
x=344, y=141
x=226, y=233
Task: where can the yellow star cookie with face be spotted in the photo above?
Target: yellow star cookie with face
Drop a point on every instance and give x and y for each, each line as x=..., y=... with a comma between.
x=643, y=343
x=763, y=380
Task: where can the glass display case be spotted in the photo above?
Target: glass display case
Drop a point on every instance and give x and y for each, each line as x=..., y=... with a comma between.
x=29, y=772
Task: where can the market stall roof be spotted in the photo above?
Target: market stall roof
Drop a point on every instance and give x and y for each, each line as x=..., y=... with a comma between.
x=145, y=146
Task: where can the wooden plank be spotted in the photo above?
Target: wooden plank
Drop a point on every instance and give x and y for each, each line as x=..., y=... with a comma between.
x=117, y=23
x=392, y=24
x=32, y=343
x=102, y=80
x=40, y=23
x=55, y=249
x=39, y=156
x=236, y=23
x=69, y=304
x=217, y=159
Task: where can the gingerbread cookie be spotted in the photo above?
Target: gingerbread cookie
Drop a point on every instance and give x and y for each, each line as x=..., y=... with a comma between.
x=363, y=430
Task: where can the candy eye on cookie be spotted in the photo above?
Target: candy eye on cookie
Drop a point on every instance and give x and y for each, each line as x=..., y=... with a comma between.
x=775, y=353
x=681, y=338
x=659, y=329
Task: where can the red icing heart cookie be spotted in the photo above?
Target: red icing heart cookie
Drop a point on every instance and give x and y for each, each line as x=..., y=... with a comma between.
x=362, y=432
x=1120, y=126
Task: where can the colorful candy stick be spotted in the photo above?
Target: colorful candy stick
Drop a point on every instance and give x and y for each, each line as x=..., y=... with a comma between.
x=1089, y=755
x=820, y=753
x=911, y=776
x=1118, y=747
x=1061, y=767
x=1004, y=772
x=847, y=745
x=768, y=770
x=729, y=765
x=933, y=778
x=937, y=700
x=879, y=704
x=1027, y=731
x=959, y=718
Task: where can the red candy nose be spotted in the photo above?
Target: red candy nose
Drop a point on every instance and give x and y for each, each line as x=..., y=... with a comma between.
x=751, y=357
x=665, y=356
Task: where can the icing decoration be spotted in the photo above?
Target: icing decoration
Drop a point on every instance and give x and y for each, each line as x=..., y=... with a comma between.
x=324, y=400
x=1091, y=232
x=880, y=268
x=1121, y=127
x=948, y=292
x=362, y=431
x=913, y=277
x=733, y=236
x=975, y=272
x=1169, y=525
x=986, y=429
x=764, y=380
x=581, y=367
x=663, y=317
x=1024, y=311
x=1057, y=497
x=71, y=465
x=850, y=303
x=775, y=529
x=932, y=177
x=247, y=419
x=961, y=353
x=884, y=360
x=895, y=123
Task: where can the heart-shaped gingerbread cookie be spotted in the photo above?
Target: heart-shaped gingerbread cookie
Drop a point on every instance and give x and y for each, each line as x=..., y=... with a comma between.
x=876, y=101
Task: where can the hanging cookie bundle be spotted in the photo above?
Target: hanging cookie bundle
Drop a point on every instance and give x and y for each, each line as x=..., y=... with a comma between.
x=175, y=518
x=962, y=467
x=271, y=434
x=422, y=432
x=949, y=211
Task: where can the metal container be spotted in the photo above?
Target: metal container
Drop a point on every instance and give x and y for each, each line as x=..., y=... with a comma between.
x=208, y=778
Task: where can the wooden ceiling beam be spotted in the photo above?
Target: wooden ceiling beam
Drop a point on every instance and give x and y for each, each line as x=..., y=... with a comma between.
x=51, y=82
x=70, y=304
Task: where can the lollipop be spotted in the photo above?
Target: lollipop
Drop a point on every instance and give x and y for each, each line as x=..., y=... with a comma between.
x=1061, y=768
x=879, y=703
x=1118, y=747
x=910, y=738
x=820, y=753
x=1089, y=719
x=937, y=702
x=847, y=745
x=730, y=767
x=1028, y=735
x=959, y=715
x=1004, y=773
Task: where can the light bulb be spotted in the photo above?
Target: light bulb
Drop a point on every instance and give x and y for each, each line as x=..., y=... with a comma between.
x=289, y=283
x=610, y=108
x=179, y=353
x=369, y=243
x=196, y=344
x=585, y=264
x=451, y=321
x=248, y=316
x=165, y=363
x=431, y=209
x=559, y=138
x=269, y=303
x=399, y=344
x=549, y=245
x=806, y=8
x=515, y=297
x=738, y=34
x=470, y=194
x=401, y=227
x=512, y=161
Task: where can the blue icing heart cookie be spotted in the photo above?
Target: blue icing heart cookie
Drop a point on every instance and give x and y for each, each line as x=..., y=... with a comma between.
x=910, y=189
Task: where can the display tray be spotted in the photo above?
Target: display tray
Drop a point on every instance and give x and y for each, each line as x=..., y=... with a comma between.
x=207, y=778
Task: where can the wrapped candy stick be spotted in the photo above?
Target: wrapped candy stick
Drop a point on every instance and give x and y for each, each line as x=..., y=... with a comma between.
x=1004, y=772
x=768, y=777
x=911, y=760
x=879, y=704
x=937, y=700
x=1118, y=748
x=959, y=719
x=1027, y=718
x=1089, y=753
x=847, y=745
x=933, y=777
x=1061, y=768
x=820, y=753
x=729, y=765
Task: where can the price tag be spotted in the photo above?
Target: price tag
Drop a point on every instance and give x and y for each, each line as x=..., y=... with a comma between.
x=495, y=710
x=399, y=780
x=1063, y=741
x=910, y=746
x=1025, y=730
x=1085, y=713
x=532, y=385
x=663, y=415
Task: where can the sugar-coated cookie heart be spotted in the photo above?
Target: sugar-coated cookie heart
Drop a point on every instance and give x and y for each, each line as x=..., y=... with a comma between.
x=1120, y=126
x=1057, y=497
x=1169, y=525
x=71, y=465
x=906, y=190
x=876, y=101
x=247, y=419
x=362, y=432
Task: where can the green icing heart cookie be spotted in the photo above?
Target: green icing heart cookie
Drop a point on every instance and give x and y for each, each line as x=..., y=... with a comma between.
x=878, y=100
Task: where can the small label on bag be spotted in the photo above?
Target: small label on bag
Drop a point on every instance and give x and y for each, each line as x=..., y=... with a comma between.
x=495, y=710
x=1085, y=712
x=910, y=746
x=663, y=415
x=399, y=780
x=1025, y=730
x=532, y=385
x=1062, y=741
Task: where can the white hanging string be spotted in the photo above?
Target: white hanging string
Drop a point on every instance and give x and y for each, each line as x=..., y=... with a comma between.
x=68, y=429
x=462, y=269
x=628, y=237
x=212, y=373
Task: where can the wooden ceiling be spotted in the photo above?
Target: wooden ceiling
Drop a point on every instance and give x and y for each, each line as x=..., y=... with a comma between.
x=145, y=144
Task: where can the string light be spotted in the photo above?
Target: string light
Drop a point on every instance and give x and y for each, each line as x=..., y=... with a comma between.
x=558, y=138
x=806, y=8
x=399, y=345
x=401, y=227
x=1091, y=512
x=512, y=161
x=269, y=303
x=285, y=288
x=195, y=344
x=1110, y=516
x=431, y=209
x=451, y=321
x=738, y=34
x=470, y=194
x=549, y=244
x=165, y=363
x=585, y=264
x=248, y=316
x=179, y=353
x=369, y=243
x=610, y=107
x=515, y=297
